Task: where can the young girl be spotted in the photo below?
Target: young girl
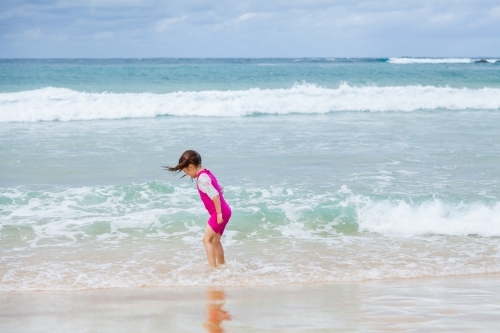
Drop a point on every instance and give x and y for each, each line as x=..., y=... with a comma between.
x=211, y=194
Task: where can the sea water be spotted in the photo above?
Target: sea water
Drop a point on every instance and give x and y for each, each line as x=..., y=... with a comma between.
x=336, y=170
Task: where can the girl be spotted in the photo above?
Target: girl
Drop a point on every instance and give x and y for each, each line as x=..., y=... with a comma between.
x=211, y=194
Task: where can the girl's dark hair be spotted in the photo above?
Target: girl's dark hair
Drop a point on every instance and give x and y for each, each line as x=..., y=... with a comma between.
x=188, y=157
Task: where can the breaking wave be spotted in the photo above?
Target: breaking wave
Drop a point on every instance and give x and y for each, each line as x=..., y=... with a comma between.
x=405, y=60
x=60, y=104
x=147, y=235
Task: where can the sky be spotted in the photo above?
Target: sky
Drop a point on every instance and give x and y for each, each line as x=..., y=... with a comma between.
x=260, y=28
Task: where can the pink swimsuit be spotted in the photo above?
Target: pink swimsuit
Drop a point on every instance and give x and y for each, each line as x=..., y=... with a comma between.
x=210, y=206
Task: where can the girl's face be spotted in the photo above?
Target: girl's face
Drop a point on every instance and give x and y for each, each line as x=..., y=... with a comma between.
x=191, y=171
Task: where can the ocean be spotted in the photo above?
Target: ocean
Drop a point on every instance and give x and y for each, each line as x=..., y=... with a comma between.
x=336, y=170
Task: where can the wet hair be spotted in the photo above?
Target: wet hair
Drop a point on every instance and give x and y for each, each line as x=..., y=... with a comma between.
x=188, y=157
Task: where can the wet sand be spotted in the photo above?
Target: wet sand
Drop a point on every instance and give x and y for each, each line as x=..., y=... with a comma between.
x=451, y=304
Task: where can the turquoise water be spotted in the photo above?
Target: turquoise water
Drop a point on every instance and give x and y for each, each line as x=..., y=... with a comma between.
x=336, y=170
x=170, y=75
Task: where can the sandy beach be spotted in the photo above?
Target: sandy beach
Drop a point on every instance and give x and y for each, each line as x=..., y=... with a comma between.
x=452, y=304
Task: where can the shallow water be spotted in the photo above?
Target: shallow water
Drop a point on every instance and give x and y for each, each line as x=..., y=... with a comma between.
x=347, y=195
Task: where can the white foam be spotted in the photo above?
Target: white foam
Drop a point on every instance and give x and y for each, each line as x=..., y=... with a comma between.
x=150, y=235
x=405, y=61
x=64, y=213
x=51, y=104
x=430, y=60
x=431, y=217
x=277, y=261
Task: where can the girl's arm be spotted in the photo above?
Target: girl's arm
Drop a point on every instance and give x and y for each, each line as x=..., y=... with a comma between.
x=218, y=209
x=205, y=185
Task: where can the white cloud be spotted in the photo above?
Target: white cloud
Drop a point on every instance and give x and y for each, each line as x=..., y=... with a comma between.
x=166, y=24
x=375, y=19
x=252, y=16
x=5, y=15
x=246, y=17
x=495, y=12
x=103, y=35
x=443, y=19
x=102, y=3
x=277, y=27
x=33, y=33
x=352, y=20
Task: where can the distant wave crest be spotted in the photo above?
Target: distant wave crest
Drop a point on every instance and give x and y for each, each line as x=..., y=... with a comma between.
x=438, y=60
x=50, y=104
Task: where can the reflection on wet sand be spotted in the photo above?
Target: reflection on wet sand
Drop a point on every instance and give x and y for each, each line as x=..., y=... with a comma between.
x=215, y=314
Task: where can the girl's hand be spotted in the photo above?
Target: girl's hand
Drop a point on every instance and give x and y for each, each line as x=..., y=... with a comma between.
x=219, y=218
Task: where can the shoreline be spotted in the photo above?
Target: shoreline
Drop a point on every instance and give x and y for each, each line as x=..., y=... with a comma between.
x=463, y=303
x=385, y=280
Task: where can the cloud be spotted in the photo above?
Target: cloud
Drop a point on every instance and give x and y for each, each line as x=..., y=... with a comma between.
x=249, y=27
x=443, y=18
x=102, y=3
x=245, y=17
x=33, y=33
x=353, y=20
x=166, y=24
x=495, y=12
x=103, y=35
x=252, y=16
x=5, y=15
x=346, y=19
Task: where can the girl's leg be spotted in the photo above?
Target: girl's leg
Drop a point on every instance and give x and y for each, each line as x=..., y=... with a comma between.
x=208, y=239
x=219, y=251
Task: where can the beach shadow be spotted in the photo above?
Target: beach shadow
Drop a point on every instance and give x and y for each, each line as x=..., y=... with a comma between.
x=215, y=313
